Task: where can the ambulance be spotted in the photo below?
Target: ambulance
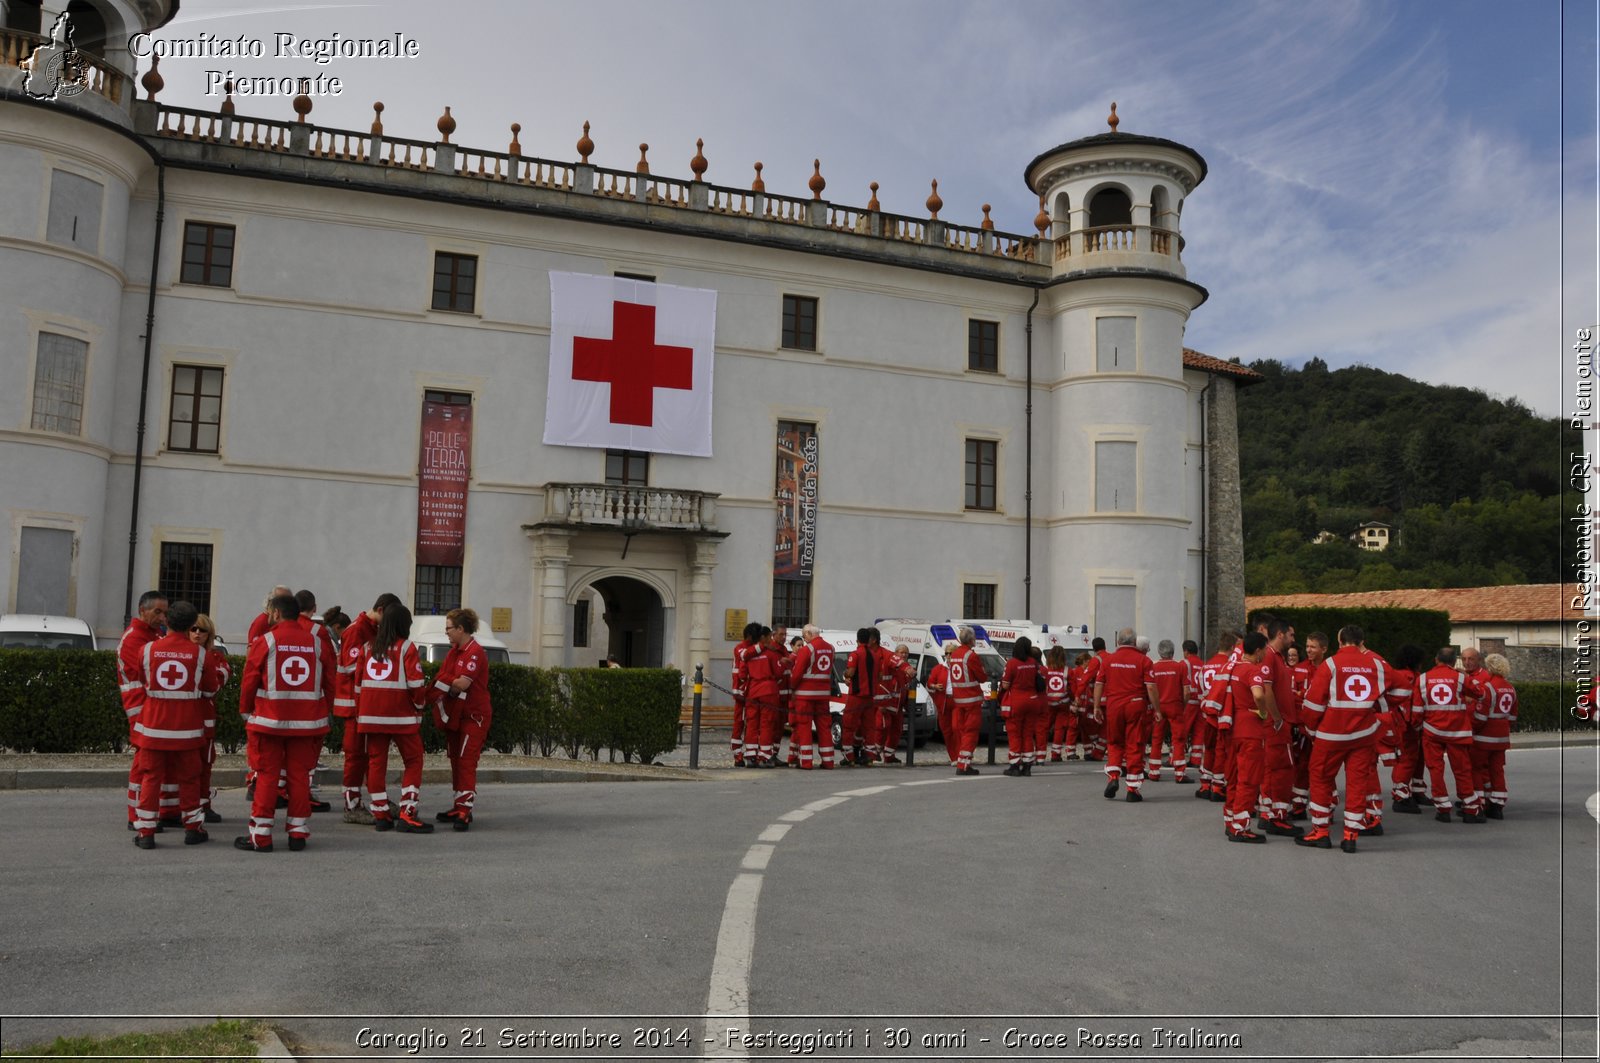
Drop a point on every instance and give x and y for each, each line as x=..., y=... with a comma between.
x=920, y=720
x=925, y=641
x=1003, y=635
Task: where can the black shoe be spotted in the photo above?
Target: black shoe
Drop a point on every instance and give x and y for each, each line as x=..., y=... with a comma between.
x=1495, y=811
x=1299, y=817
x=968, y=773
x=407, y=825
x=1027, y=769
x=212, y=816
x=1111, y=790
x=198, y=836
x=1204, y=795
x=382, y=823
x=1134, y=796
x=461, y=823
x=250, y=847
x=144, y=841
x=1315, y=840
x=782, y=764
x=1474, y=817
x=768, y=764
x=1348, y=845
x=296, y=844
x=1181, y=781
x=1442, y=815
x=1373, y=831
x=1073, y=756
x=321, y=806
x=1248, y=837
x=1218, y=796
x=446, y=816
x=1014, y=770
x=1408, y=805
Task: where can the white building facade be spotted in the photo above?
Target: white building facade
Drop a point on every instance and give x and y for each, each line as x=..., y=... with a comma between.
x=1004, y=424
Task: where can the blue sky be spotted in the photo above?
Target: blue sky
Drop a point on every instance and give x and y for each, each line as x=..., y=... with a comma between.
x=1385, y=182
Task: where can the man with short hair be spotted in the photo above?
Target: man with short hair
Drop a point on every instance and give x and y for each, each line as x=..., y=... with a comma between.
x=259, y=625
x=965, y=676
x=1278, y=782
x=811, y=678
x=1248, y=714
x=1341, y=710
x=858, y=728
x=1447, y=735
x=1171, y=678
x=171, y=727
x=148, y=625
x=1305, y=736
x=1123, y=694
x=1091, y=727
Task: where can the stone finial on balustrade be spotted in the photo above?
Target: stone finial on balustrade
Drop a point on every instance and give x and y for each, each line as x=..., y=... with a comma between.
x=872, y=204
x=516, y=145
x=152, y=81
x=934, y=203
x=698, y=164
x=302, y=102
x=1112, y=120
x=377, y=119
x=987, y=223
x=585, y=146
x=1041, y=220
x=227, y=99
x=445, y=125
x=758, y=185
x=817, y=182
x=643, y=165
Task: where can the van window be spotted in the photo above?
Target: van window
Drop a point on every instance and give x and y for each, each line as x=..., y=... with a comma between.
x=45, y=640
x=497, y=654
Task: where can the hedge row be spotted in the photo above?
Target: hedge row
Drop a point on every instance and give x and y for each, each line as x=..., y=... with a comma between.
x=66, y=701
x=1386, y=629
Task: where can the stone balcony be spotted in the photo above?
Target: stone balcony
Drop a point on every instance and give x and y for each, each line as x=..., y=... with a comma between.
x=629, y=509
x=1140, y=247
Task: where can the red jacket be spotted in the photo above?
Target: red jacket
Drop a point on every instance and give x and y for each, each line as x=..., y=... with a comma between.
x=1496, y=713
x=1342, y=702
x=1123, y=675
x=176, y=677
x=1277, y=673
x=221, y=668
x=284, y=690
x=357, y=635
x=1441, y=701
x=938, y=676
x=472, y=704
x=1057, y=688
x=389, y=691
x=812, y=676
x=1196, y=688
x=861, y=673
x=1215, y=710
x=966, y=676
x=1021, y=684
x=130, y=665
x=894, y=679
x=741, y=654
x=761, y=669
x=258, y=627
x=1170, y=678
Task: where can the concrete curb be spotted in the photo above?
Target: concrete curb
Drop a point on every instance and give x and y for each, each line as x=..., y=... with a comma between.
x=270, y=1046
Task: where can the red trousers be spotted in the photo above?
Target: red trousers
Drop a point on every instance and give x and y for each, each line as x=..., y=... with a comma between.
x=763, y=729
x=464, y=749
x=1435, y=753
x=410, y=747
x=1277, y=787
x=1244, y=784
x=1359, y=759
x=1489, y=772
x=811, y=732
x=208, y=761
x=1092, y=733
x=295, y=756
x=891, y=726
x=736, y=743
x=1301, y=784
x=859, y=726
x=355, y=764
x=161, y=768
x=1126, y=726
x=1217, y=763
x=1180, y=723
x=1043, y=724
x=1406, y=772
x=1021, y=728
x=1062, y=729
x=967, y=721
x=942, y=713
x=1158, y=733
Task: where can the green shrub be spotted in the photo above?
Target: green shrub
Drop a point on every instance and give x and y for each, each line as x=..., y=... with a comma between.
x=1386, y=629
x=61, y=701
x=1548, y=707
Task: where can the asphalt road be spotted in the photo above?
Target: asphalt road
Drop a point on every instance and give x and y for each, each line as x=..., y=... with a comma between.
x=888, y=913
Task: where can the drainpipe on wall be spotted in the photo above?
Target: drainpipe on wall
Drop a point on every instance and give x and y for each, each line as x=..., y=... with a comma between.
x=144, y=384
x=1205, y=504
x=1027, y=487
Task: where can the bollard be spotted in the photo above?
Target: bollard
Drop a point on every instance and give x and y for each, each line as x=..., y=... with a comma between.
x=991, y=712
x=694, y=718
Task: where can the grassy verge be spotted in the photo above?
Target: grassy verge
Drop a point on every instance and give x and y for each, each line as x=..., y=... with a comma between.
x=229, y=1039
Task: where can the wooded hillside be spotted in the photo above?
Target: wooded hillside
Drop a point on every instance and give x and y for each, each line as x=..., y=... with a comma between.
x=1471, y=484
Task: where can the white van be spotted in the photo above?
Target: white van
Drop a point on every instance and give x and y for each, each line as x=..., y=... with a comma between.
x=1003, y=635
x=34, y=631
x=925, y=641
x=920, y=723
x=427, y=633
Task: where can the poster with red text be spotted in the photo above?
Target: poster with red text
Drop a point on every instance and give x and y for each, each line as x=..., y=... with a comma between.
x=442, y=483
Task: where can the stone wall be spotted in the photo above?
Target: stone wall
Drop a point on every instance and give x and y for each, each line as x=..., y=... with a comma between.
x=1224, y=602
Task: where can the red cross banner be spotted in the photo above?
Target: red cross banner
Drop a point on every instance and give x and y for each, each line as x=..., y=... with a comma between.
x=630, y=365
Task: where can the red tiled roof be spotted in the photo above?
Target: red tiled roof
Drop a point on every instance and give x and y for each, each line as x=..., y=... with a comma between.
x=1518, y=603
x=1207, y=364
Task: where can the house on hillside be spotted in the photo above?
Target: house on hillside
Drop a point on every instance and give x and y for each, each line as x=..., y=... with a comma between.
x=1372, y=535
x=1523, y=621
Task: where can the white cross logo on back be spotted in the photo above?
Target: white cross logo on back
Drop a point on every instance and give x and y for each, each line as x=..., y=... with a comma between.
x=171, y=675
x=294, y=671
x=379, y=670
x=1357, y=687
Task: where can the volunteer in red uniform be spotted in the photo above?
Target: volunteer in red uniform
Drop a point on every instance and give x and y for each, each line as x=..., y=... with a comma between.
x=310, y=621
x=1058, y=703
x=785, y=652
x=1492, y=721
x=1123, y=694
x=389, y=701
x=1194, y=734
x=171, y=726
x=1216, y=721
x=352, y=641
x=204, y=634
x=1021, y=699
x=763, y=719
x=1277, y=786
x=938, y=677
x=965, y=676
x=258, y=627
x=1247, y=712
x=1447, y=735
x=1299, y=680
x=1404, y=731
x=462, y=709
x=894, y=679
x=812, y=679
x=1171, y=678
x=859, y=726
x=146, y=627
x=288, y=674
x=1078, y=724
x=1341, y=709
x=750, y=644
x=1092, y=725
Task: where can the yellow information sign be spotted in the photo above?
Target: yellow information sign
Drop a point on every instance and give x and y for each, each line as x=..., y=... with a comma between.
x=500, y=618
x=733, y=622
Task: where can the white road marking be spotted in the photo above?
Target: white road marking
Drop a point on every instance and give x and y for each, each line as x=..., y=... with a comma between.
x=1593, y=805
x=826, y=803
x=933, y=782
x=775, y=832
x=756, y=858
x=799, y=815
x=730, y=968
x=867, y=792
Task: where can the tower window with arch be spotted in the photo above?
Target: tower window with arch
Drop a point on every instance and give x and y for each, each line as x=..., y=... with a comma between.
x=1110, y=221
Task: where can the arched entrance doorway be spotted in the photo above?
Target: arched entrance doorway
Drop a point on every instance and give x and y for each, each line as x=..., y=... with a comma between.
x=632, y=624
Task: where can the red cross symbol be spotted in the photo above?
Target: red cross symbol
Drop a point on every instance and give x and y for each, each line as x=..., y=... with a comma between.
x=633, y=363
x=171, y=675
x=294, y=671
x=379, y=670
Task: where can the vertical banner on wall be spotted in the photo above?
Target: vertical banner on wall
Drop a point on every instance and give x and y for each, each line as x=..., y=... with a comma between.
x=442, y=482
x=795, y=545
